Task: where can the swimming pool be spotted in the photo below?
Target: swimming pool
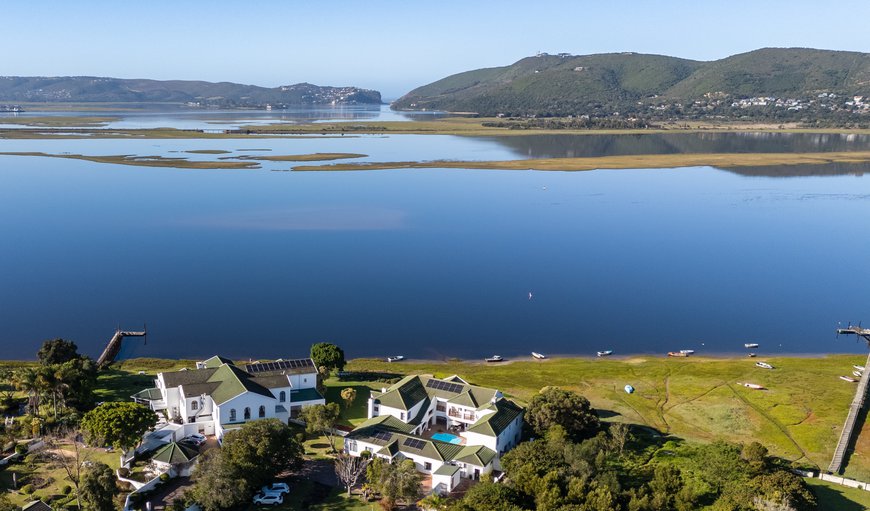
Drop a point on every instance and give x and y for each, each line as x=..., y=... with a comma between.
x=447, y=437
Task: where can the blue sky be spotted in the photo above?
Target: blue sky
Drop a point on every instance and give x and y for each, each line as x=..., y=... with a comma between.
x=392, y=46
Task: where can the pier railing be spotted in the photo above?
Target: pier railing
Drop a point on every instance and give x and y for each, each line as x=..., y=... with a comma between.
x=854, y=410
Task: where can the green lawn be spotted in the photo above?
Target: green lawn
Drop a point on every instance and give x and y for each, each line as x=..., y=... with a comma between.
x=307, y=495
x=358, y=411
x=833, y=497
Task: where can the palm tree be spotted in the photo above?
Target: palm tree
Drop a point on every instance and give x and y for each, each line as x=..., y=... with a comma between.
x=27, y=380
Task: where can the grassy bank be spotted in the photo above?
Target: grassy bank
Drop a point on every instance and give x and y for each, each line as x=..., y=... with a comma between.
x=58, y=121
x=648, y=161
x=798, y=418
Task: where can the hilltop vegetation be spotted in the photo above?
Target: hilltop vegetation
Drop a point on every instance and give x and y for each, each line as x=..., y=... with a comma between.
x=21, y=89
x=775, y=83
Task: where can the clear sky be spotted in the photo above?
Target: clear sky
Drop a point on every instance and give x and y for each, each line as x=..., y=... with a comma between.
x=392, y=46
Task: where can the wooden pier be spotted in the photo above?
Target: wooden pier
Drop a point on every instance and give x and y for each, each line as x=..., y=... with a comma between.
x=114, y=346
x=845, y=440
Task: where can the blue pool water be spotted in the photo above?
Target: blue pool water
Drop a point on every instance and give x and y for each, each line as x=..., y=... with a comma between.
x=447, y=437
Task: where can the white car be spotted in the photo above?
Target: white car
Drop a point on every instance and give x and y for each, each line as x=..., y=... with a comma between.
x=275, y=489
x=195, y=439
x=268, y=499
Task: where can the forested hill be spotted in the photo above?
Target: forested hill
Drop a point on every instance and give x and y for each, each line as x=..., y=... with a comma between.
x=794, y=80
x=18, y=89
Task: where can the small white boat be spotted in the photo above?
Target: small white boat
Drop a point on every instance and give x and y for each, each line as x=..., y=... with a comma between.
x=629, y=389
x=396, y=358
x=688, y=352
x=752, y=355
x=857, y=374
x=750, y=345
x=850, y=380
x=764, y=365
x=494, y=358
x=605, y=353
x=753, y=386
x=539, y=356
x=859, y=368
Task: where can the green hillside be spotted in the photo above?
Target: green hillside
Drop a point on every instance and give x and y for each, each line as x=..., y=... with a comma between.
x=651, y=85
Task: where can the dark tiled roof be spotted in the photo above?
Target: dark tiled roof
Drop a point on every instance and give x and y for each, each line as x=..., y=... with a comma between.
x=273, y=381
x=492, y=424
x=176, y=378
x=175, y=453
x=36, y=505
x=195, y=389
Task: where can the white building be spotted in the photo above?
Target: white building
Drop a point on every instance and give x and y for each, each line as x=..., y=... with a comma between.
x=475, y=426
x=219, y=396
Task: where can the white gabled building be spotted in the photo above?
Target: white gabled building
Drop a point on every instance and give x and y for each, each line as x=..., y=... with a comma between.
x=477, y=425
x=219, y=396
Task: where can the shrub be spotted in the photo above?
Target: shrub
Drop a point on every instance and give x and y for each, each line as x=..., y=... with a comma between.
x=124, y=472
x=26, y=489
x=164, y=477
x=66, y=490
x=21, y=449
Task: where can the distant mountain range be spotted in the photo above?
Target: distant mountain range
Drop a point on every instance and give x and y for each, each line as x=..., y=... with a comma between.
x=86, y=89
x=770, y=82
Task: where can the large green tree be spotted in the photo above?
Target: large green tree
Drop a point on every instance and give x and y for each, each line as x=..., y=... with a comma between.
x=328, y=355
x=553, y=406
x=261, y=449
x=219, y=485
x=394, y=481
x=119, y=424
x=97, y=488
x=321, y=419
x=489, y=496
x=57, y=351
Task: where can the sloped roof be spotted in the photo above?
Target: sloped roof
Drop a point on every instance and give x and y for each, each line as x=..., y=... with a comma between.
x=404, y=394
x=195, y=389
x=492, y=424
x=410, y=390
x=148, y=394
x=386, y=423
x=273, y=381
x=446, y=470
x=464, y=399
x=173, y=453
x=386, y=430
x=216, y=361
x=233, y=381
x=391, y=449
x=187, y=377
x=36, y=505
x=479, y=455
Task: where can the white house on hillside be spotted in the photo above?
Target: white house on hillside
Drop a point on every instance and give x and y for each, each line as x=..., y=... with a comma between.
x=449, y=428
x=219, y=396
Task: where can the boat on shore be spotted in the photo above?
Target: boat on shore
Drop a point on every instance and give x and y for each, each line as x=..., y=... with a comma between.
x=764, y=365
x=750, y=345
x=857, y=374
x=677, y=354
x=753, y=386
x=688, y=352
x=752, y=355
x=494, y=358
x=629, y=389
x=850, y=380
x=605, y=353
x=539, y=356
x=859, y=368
x=395, y=358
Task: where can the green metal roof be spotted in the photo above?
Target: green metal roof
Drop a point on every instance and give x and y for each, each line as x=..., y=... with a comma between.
x=148, y=395
x=404, y=394
x=464, y=399
x=216, y=361
x=492, y=424
x=410, y=390
x=479, y=455
x=386, y=423
x=300, y=395
x=175, y=453
x=233, y=381
x=371, y=431
x=391, y=449
x=446, y=470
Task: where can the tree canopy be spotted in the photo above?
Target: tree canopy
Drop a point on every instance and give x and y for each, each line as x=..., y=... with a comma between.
x=97, y=488
x=57, y=351
x=557, y=407
x=328, y=355
x=119, y=424
x=321, y=419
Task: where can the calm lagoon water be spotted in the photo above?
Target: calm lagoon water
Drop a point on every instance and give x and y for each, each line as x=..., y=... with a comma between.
x=427, y=263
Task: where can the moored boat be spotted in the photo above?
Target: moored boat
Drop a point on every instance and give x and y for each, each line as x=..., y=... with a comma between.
x=752, y=355
x=494, y=358
x=605, y=353
x=750, y=345
x=688, y=352
x=764, y=365
x=395, y=358
x=859, y=368
x=857, y=374
x=677, y=354
x=850, y=380
x=753, y=386
x=539, y=356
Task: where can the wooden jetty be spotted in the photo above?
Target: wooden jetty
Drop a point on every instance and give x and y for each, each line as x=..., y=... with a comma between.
x=114, y=346
x=855, y=408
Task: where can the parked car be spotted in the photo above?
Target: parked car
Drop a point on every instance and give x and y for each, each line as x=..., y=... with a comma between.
x=275, y=488
x=268, y=499
x=195, y=439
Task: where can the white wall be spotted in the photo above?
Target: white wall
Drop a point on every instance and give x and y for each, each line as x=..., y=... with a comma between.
x=248, y=399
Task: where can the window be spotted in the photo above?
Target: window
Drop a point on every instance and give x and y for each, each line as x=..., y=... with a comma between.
x=232, y=415
x=350, y=445
x=427, y=466
x=262, y=411
x=441, y=406
x=282, y=397
x=402, y=415
x=247, y=414
x=194, y=405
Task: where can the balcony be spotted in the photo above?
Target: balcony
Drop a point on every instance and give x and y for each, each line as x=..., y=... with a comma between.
x=456, y=414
